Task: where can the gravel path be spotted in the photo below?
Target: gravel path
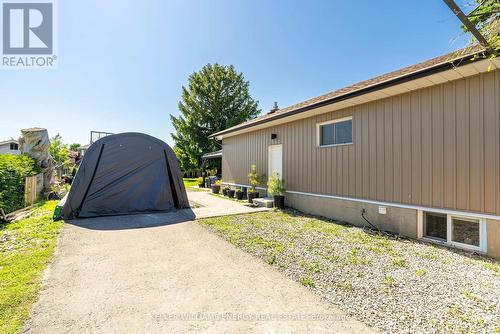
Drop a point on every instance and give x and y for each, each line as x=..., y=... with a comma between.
x=396, y=286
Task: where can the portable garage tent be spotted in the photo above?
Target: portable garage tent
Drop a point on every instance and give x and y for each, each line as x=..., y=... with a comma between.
x=125, y=174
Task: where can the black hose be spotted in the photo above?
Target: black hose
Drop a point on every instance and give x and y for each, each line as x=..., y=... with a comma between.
x=363, y=215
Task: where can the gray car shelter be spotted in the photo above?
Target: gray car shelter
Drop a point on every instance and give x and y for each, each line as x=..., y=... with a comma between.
x=126, y=173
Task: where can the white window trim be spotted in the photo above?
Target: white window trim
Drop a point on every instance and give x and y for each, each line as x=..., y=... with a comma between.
x=483, y=246
x=338, y=120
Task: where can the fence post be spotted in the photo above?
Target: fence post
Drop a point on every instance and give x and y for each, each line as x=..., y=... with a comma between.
x=33, y=186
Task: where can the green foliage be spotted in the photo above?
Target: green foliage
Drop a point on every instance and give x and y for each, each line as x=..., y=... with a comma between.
x=74, y=146
x=216, y=98
x=200, y=181
x=486, y=17
x=26, y=249
x=254, y=178
x=58, y=150
x=13, y=171
x=275, y=185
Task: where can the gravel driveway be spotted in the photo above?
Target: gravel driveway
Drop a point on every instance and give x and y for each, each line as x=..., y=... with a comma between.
x=170, y=278
x=394, y=285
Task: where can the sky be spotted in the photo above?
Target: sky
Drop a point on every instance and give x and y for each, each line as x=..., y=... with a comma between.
x=122, y=64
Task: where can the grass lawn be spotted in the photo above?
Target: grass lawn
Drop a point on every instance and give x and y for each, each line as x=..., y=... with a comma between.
x=393, y=285
x=26, y=247
x=190, y=182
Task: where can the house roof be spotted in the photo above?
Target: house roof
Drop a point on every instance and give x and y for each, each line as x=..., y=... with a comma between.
x=434, y=65
x=8, y=141
x=212, y=155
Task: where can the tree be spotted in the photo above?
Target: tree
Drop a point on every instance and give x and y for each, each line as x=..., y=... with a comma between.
x=217, y=97
x=58, y=150
x=74, y=146
x=486, y=17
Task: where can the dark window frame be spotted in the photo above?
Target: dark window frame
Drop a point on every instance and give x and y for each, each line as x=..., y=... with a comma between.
x=334, y=140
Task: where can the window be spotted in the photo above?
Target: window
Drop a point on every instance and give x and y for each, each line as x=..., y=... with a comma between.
x=435, y=225
x=464, y=232
x=14, y=146
x=336, y=132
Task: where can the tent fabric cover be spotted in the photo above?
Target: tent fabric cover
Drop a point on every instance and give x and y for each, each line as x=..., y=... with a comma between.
x=126, y=173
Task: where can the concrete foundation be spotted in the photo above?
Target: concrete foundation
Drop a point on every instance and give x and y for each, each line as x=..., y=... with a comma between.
x=397, y=220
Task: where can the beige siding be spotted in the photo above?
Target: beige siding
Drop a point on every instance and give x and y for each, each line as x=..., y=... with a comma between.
x=437, y=147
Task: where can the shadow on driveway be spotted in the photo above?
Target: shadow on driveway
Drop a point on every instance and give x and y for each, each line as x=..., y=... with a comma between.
x=136, y=221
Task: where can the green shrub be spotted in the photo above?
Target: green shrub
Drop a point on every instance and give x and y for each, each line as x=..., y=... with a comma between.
x=254, y=178
x=13, y=170
x=275, y=185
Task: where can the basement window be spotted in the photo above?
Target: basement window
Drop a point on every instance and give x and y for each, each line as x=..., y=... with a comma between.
x=459, y=231
x=336, y=132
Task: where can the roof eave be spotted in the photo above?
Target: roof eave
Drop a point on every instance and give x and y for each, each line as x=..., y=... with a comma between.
x=461, y=61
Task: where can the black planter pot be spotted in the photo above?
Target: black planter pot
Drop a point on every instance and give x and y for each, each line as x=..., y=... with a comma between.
x=239, y=195
x=201, y=186
x=251, y=196
x=230, y=193
x=215, y=189
x=279, y=202
x=224, y=191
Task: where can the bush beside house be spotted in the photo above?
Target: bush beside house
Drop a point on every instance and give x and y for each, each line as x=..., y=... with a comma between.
x=13, y=170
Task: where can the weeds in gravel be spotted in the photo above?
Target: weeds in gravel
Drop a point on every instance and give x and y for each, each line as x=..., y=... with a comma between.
x=307, y=281
x=399, y=262
x=327, y=256
x=493, y=267
x=427, y=255
x=469, y=295
x=355, y=259
x=421, y=272
x=389, y=280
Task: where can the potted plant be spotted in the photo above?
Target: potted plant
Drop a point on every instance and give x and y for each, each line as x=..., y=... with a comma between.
x=216, y=187
x=201, y=182
x=255, y=179
x=239, y=194
x=230, y=193
x=276, y=187
x=224, y=190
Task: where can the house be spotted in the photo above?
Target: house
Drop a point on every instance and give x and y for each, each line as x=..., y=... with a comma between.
x=415, y=151
x=83, y=149
x=10, y=146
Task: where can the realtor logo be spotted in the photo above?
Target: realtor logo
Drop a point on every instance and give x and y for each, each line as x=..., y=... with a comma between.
x=28, y=29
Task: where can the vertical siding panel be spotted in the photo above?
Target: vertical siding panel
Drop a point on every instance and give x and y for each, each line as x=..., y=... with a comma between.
x=490, y=148
x=437, y=146
x=366, y=156
x=416, y=176
x=426, y=162
x=345, y=170
x=314, y=158
x=397, y=140
x=388, y=150
x=462, y=139
x=373, y=150
x=475, y=146
x=358, y=147
x=497, y=140
x=312, y=125
x=380, y=174
x=351, y=149
x=449, y=152
x=406, y=152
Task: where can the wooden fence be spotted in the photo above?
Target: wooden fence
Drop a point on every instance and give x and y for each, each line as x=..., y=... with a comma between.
x=33, y=186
